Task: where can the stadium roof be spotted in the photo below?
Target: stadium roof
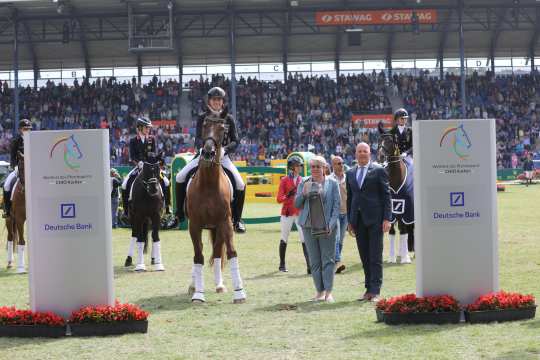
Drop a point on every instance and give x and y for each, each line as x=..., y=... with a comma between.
x=98, y=31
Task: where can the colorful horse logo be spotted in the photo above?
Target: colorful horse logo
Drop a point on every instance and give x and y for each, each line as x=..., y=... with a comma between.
x=461, y=143
x=72, y=151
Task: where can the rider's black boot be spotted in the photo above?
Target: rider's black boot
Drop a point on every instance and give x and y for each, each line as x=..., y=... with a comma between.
x=282, y=251
x=180, y=198
x=7, y=203
x=238, y=208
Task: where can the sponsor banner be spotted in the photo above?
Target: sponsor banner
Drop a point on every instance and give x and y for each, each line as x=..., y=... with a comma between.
x=455, y=208
x=372, y=120
x=68, y=206
x=374, y=17
x=164, y=123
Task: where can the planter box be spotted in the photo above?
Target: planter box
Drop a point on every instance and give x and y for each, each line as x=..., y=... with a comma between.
x=32, y=331
x=477, y=317
x=421, y=318
x=380, y=315
x=104, y=329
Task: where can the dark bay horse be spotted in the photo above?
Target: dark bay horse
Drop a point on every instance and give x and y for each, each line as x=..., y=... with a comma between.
x=208, y=207
x=146, y=205
x=400, y=176
x=17, y=217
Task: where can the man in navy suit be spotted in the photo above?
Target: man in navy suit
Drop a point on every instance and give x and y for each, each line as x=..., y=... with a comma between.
x=369, y=213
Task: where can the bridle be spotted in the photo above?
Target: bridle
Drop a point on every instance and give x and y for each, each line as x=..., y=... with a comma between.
x=389, y=159
x=216, y=155
x=151, y=182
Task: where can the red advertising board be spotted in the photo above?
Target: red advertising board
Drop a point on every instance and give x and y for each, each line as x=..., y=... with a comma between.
x=374, y=17
x=164, y=122
x=372, y=120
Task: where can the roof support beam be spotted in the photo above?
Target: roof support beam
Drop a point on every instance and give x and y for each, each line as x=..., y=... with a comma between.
x=82, y=39
x=389, y=46
x=286, y=27
x=443, y=38
x=501, y=14
x=534, y=39
x=32, y=51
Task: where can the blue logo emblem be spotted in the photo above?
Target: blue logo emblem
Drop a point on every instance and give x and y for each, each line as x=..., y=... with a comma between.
x=457, y=199
x=67, y=211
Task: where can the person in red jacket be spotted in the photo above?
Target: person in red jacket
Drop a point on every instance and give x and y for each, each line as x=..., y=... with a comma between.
x=289, y=213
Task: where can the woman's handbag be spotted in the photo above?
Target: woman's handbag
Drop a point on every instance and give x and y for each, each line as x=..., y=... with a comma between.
x=319, y=225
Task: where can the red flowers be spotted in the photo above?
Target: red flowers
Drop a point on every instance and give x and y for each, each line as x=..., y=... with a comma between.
x=13, y=316
x=502, y=300
x=104, y=314
x=410, y=303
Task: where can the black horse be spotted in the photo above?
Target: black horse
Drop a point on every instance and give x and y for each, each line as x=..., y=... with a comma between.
x=146, y=205
x=400, y=174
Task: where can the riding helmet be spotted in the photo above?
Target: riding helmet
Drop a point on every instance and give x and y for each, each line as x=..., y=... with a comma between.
x=216, y=92
x=294, y=160
x=142, y=121
x=25, y=124
x=401, y=113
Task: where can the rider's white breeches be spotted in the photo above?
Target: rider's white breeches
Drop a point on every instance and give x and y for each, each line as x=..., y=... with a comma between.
x=9, y=180
x=124, y=183
x=225, y=162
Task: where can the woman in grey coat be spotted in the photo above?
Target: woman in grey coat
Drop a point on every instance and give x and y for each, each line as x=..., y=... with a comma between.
x=321, y=248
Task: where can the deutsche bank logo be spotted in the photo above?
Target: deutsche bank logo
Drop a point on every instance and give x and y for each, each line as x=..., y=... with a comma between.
x=67, y=211
x=398, y=206
x=457, y=199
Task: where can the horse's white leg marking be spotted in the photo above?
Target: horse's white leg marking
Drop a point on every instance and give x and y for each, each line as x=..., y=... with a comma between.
x=392, y=248
x=132, y=246
x=405, y=259
x=198, y=280
x=239, y=293
x=20, y=259
x=218, y=276
x=10, y=252
x=140, y=257
x=156, y=254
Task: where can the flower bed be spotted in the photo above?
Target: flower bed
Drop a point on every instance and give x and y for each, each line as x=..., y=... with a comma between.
x=501, y=306
x=108, y=320
x=26, y=323
x=410, y=309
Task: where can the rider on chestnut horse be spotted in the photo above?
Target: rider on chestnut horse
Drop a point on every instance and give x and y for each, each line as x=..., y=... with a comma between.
x=215, y=107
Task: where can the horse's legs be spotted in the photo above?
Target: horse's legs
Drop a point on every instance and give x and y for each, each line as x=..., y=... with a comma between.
x=132, y=242
x=410, y=231
x=225, y=231
x=21, y=268
x=9, y=225
x=403, y=248
x=138, y=225
x=156, y=244
x=217, y=250
x=392, y=238
x=198, y=262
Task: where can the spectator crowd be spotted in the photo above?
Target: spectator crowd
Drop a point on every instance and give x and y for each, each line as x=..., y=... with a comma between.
x=275, y=118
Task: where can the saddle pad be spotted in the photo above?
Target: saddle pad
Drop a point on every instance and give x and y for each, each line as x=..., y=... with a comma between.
x=228, y=180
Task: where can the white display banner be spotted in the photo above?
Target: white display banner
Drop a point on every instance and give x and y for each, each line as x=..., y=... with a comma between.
x=455, y=208
x=68, y=204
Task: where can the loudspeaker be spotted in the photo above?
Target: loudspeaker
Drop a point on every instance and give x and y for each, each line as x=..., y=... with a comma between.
x=354, y=38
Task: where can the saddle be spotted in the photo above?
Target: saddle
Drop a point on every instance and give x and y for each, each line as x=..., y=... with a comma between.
x=229, y=176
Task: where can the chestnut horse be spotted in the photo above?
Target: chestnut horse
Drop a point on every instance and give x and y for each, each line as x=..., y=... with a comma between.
x=400, y=176
x=17, y=217
x=208, y=207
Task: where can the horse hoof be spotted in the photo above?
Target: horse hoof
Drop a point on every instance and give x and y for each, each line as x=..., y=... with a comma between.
x=239, y=301
x=21, y=271
x=221, y=290
x=9, y=266
x=140, y=268
x=128, y=262
x=197, y=302
x=159, y=267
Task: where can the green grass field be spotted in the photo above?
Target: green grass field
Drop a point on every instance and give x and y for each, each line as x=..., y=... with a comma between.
x=266, y=328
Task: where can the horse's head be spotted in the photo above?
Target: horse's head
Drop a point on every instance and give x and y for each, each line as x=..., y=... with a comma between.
x=213, y=132
x=20, y=166
x=388, y=146
x=150, y=177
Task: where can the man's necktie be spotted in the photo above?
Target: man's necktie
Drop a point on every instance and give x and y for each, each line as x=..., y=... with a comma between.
x=360, y=176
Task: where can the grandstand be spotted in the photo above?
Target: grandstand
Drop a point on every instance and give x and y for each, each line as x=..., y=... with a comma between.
x=299, y=72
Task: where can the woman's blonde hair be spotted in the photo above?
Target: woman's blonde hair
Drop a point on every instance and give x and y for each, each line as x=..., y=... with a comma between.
x=317, y=159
